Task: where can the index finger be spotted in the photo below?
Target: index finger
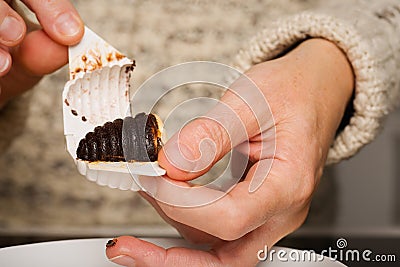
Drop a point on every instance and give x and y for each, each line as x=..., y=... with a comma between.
x=239, y=210
x=59, y=19
x=242, y=113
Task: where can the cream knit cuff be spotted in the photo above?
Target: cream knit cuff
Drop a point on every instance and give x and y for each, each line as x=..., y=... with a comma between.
x=373, y=57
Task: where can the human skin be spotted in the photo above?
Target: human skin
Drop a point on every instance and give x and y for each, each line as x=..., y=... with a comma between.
x=314, y=79
x=307, y=90
x=27, y=54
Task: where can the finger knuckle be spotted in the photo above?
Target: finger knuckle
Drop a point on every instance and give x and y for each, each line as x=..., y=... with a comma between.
x=211, y=129
x=306, y=190
x=236, y=226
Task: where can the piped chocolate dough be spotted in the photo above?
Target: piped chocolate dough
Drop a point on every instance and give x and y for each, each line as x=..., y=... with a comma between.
x=131, y=139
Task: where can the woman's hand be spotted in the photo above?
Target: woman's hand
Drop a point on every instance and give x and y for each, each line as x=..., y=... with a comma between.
x=25, y=56
x=307, y=90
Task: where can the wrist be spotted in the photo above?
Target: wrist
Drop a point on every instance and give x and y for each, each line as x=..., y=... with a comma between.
x=330, y=77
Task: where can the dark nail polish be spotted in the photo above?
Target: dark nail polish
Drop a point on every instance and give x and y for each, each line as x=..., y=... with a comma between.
x=111, y=243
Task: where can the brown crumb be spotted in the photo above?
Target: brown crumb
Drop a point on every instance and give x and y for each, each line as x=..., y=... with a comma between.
x=109, y=57
x=119, y=56
x=111, y=243
x=84, y=118
x=130, y=68
x=74, y=112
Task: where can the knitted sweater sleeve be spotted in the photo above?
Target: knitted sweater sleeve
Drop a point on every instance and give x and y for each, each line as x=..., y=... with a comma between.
x=368, y=32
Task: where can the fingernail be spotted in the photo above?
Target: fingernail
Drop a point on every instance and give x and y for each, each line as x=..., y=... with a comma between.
x=123, y=260
x=11, y=29
x=4, y=63
x=67, y=24
x=111, y=243
x=208, y=153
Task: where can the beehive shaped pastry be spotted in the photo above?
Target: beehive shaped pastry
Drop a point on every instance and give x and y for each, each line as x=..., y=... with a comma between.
x=95, y=104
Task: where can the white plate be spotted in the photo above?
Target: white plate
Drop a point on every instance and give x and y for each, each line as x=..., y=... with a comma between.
x=91, y=253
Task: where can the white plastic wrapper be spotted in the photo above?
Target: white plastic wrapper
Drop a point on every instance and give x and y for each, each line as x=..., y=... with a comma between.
x=98, y=92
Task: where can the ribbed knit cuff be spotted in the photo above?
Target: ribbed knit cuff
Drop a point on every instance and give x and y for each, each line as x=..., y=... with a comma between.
x=369, y=52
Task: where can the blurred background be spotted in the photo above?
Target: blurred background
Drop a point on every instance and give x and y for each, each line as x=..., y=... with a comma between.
x=42, y=196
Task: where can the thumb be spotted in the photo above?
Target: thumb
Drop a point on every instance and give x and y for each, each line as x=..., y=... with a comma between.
x=193, y=150
x=39, y=54
x=59, y=19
